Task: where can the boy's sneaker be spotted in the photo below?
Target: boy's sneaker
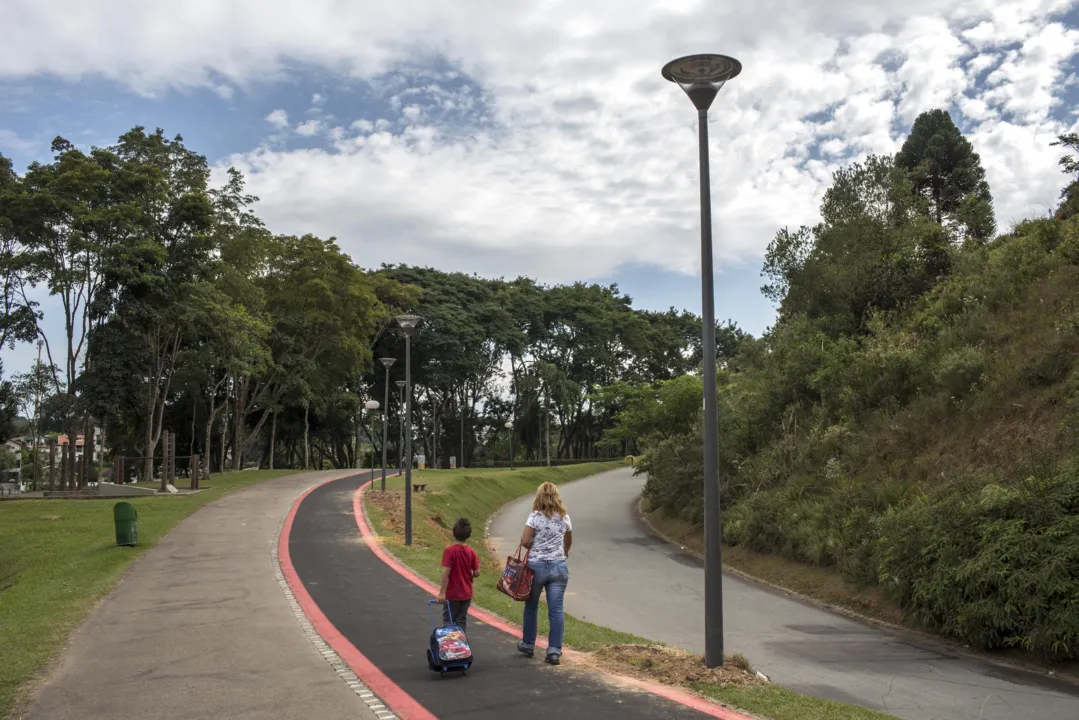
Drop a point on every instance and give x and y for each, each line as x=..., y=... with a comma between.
x=525, y=650
x=553, y=659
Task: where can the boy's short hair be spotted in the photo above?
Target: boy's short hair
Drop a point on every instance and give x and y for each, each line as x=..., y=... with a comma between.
x=462, y=530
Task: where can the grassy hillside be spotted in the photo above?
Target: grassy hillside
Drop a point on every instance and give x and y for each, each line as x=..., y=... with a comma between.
x=931, y=453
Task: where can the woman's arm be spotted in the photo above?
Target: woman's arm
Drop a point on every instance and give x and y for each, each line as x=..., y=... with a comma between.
x=567, y=541
x=527, y=536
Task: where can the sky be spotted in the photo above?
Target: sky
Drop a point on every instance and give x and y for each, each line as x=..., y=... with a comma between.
x=538, y=137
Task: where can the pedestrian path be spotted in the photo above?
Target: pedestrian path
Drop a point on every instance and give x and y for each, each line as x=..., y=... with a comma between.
x=201, y=628
x=367, y=605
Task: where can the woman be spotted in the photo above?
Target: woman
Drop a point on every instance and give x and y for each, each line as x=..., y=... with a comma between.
x=548, y=536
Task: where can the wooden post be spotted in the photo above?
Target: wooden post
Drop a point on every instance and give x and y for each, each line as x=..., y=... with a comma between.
x=52, y=466
x=194, y=472
x=118, y=470
x=80, y=463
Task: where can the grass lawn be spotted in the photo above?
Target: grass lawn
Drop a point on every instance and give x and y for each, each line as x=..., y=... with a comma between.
x=778, y=703
x=58, y=558
x=478, y=495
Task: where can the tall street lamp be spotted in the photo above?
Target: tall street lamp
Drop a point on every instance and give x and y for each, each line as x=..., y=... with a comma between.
x=401, y=428
x=408, y=324
x=372, y=406
x=701, y=77
x=387, y=363
x=509, y=426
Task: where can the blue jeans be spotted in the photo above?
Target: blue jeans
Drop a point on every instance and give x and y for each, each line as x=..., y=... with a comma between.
x=552, y=575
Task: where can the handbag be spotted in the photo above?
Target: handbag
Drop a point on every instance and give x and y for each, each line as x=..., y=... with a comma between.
x=516, y=580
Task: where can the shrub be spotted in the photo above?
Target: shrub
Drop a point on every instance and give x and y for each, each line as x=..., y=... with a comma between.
x=993, y=565
x=960, y=370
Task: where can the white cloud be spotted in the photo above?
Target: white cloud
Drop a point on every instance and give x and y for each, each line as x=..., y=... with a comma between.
x=309, y=128
x=278, y=118
x=587, y=158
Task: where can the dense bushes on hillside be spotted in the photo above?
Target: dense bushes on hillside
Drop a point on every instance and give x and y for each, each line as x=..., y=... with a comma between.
x=911, y=419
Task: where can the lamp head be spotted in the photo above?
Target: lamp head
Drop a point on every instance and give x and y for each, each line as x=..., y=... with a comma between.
x=371, y=404
x=408, y=323
x=701, y=76
x=387, y=362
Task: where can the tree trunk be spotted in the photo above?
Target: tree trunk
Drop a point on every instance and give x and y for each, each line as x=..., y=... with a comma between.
x=101, y=460
x=273, y=437
x=239, y=385
x=306, y=437
x=149, y=443
x=356, y=445
x=209, y=440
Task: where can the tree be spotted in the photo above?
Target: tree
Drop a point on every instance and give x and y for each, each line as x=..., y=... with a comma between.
x=18, y=318
x=874, y=249
x=944, y=167
x=30, y=389
x=158, y=271
x=68, y=216
x=1069, y=165
x=9, y=407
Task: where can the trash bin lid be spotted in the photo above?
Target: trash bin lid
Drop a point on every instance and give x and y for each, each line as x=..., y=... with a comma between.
x=124, y=511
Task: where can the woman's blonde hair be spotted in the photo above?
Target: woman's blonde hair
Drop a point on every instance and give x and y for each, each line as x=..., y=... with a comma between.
x=548, y=500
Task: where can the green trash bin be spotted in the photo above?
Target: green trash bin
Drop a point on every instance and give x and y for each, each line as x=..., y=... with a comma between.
x=127, y=523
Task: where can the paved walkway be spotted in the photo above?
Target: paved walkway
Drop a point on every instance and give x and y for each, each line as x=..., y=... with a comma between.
x=201, y=628
x=798, y=645
x=385, y=617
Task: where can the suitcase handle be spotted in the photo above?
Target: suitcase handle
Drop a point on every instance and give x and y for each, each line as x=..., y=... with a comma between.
x=431, y=611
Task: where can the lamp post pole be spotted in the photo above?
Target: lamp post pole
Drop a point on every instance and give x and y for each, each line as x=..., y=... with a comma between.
x=701, y=77
x=509, y=426
x=387, y=363
x=408, y=324
x=372, y=406
x=401, y=428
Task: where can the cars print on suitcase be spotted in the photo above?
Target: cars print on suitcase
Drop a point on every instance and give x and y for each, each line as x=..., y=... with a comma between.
x=449, y=650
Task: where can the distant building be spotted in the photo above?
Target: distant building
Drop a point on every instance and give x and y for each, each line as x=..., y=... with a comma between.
x=80, y=445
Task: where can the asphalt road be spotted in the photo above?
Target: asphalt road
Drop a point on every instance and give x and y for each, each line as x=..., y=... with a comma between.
x=623, y=578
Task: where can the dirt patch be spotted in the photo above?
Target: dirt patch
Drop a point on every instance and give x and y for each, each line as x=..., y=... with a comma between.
x=670, y=666
x=391, y=507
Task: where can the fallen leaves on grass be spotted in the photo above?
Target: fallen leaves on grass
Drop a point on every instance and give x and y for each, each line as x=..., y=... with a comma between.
x=392, y=507
x=672, y=666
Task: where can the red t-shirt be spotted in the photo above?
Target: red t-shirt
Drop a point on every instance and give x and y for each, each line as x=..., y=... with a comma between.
x=462, y=561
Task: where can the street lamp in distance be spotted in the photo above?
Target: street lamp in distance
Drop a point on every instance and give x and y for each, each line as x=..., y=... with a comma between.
x=702, y=77
x=372, y=406
x=408, y=325
x=386, y=363
x=401, y=428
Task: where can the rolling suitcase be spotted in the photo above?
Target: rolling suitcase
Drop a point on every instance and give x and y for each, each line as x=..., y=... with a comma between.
x=449, y=650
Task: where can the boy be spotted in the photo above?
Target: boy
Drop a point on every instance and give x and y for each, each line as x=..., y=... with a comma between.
x=460, y=565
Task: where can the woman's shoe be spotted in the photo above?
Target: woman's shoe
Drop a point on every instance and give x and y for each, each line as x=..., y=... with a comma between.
x=553, y=659
x=525, y=650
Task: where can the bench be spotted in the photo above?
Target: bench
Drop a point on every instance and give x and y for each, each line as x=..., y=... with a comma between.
x=419, y=487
